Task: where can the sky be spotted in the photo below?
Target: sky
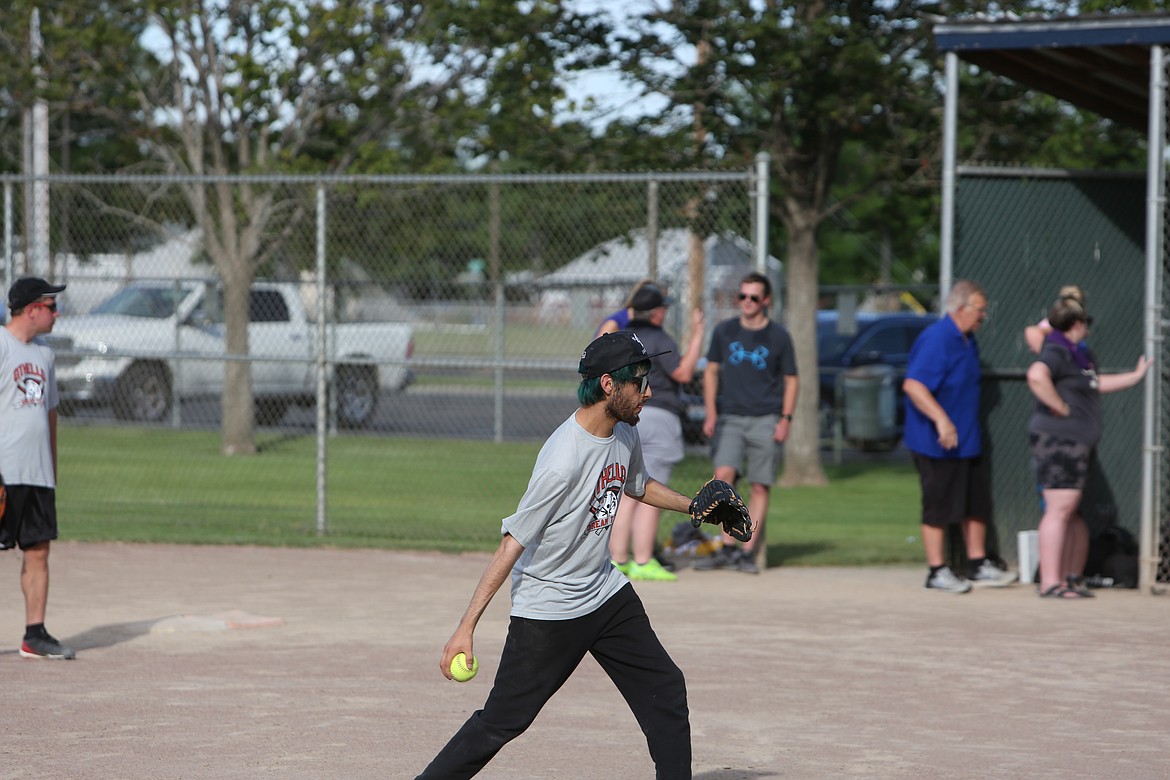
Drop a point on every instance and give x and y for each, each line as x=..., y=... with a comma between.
x=618, y=99
x=604, y=86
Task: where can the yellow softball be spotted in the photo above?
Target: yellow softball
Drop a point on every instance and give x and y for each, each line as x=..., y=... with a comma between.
x=459, y=669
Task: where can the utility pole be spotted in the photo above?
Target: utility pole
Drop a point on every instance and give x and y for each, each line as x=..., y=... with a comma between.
x=697, y=260
x=36, y=162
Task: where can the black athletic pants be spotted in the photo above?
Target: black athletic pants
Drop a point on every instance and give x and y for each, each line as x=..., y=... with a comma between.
x=540, y=655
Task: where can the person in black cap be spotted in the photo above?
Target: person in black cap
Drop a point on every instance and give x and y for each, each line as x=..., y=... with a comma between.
x=660, y=431
x=28, y=451
x=567, y=599
x=621, y=318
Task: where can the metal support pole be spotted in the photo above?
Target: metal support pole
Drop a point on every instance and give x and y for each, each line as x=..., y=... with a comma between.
x=322, y=368
x=1155, y=211
x=177, y=372
x=38, y=244
x=9, y=260
x=763, y=160
x=652, y=229
x=494, y=234
x=946, y=267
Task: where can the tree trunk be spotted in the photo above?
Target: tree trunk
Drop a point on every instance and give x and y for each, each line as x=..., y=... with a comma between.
x=802, y=451
x=696, y=268
x=237, y=404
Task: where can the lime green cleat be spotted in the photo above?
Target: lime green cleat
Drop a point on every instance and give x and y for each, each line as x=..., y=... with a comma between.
x=651, y=570
x=624, y=568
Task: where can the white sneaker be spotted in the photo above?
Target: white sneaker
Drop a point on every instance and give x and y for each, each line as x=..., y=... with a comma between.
x=988, y=575
x=946, y=580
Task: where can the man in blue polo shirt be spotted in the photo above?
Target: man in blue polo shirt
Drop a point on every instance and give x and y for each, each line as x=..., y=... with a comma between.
x=942, y=432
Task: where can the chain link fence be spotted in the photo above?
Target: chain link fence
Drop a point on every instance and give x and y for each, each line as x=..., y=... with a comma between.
x=1023, y=234
x=425, y=306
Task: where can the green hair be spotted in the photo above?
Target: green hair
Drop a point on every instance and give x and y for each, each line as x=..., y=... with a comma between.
x=589, y=391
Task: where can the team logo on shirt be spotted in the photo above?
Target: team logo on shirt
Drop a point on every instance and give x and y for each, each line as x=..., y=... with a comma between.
x=30, y=382
x=758, y=357
x=606, y=495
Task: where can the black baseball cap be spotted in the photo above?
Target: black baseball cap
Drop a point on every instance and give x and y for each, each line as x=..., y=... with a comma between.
x=649, y=296
x=611, y=351
x=29, y=289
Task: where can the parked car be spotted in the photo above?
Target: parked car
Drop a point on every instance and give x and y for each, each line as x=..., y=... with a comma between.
x=130, y=353
x=868, y=338
x=871, y=338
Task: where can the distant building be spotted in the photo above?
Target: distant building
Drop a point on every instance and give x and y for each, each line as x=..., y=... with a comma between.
x=586, y=289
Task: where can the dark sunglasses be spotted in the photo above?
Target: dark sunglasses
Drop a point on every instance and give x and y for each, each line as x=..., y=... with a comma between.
x=644, y=381
x=52, y=306
x=754, y=298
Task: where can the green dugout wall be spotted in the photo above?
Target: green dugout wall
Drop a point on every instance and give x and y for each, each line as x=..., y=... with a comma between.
x=1023, y=234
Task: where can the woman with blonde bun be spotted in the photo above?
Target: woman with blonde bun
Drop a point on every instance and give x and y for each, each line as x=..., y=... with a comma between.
x=1064, y=428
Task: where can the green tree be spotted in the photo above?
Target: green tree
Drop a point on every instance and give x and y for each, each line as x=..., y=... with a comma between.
x=86, y=55
x=510, y=119
x=280, y=86
x=87, y=51
x=844, y=95
x=344, y=85
x=800, y=80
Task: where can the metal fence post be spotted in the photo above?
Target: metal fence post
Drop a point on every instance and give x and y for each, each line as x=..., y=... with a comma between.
x=947, y=216
x=9, y=270
x=1151, y=431
x=652, y=229
x=177, y=372
x=763, y=159
x=497, y=280
x=322, y=366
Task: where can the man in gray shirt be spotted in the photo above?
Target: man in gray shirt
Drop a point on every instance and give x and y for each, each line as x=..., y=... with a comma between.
x=28, y=451
x=567, y=599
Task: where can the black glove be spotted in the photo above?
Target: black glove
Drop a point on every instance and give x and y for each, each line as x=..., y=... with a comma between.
x=718, y=503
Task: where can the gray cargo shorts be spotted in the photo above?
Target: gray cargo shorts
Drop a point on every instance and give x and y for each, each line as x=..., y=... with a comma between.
x=739, y=438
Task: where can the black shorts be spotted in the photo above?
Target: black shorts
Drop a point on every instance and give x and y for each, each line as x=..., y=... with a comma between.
x=953, y=489
x=1061, y=464
x=30, y=518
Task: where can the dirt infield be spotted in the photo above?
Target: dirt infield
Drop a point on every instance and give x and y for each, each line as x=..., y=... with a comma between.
x=242, y=662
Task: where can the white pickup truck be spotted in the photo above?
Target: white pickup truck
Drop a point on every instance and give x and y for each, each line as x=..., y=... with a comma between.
x=153, y=341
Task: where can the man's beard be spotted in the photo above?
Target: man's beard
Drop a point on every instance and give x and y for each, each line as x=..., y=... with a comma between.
x=619, y=408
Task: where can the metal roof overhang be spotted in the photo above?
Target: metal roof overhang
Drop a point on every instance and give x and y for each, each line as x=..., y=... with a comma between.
x=1100, y=63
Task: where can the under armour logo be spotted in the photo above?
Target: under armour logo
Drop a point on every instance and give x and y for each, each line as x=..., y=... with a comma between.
x=757, y=357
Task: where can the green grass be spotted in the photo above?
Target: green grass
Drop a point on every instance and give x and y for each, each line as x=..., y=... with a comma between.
x=134, y=485
x=867, y=515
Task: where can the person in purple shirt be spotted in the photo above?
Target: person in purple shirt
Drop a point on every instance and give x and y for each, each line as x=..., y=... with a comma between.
x=1064, y=428
x=1077, y=536
x=942, y=432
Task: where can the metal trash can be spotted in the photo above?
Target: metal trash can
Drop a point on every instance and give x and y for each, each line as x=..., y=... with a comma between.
x=871, y=411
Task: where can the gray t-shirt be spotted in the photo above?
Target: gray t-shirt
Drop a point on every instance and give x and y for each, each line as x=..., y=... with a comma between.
x=1077, y=387
x=564, y=519
x=28, y=390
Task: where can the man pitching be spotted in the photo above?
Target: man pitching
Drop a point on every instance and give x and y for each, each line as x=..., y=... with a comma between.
x=567, y=599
